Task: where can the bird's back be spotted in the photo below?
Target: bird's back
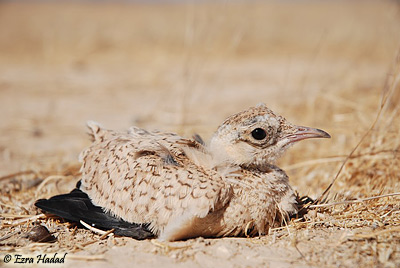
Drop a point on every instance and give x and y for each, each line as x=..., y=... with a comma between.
x=148, y=177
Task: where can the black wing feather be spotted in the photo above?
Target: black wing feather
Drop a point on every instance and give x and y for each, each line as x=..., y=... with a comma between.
x=77, y=206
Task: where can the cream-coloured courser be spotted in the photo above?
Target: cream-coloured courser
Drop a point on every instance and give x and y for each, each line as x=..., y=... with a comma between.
x=179, y=188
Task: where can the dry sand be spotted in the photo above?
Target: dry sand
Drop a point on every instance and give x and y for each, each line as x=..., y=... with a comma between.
x=184, y=68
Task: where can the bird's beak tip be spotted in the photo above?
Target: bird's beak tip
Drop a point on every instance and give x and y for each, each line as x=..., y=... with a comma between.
x=326, y=135
x=319, y=133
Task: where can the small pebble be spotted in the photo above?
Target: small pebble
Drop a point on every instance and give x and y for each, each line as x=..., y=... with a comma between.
x=40, y=233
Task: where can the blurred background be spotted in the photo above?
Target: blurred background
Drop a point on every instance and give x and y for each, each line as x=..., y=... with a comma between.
x=184, y=66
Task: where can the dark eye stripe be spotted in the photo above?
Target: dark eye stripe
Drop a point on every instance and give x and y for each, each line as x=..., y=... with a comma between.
x=258, y=134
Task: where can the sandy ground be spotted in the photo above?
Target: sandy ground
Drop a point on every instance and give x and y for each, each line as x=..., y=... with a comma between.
x=184, y=68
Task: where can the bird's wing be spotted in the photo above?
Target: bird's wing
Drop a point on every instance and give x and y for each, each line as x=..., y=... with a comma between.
x=146, y=177
x=76, y=206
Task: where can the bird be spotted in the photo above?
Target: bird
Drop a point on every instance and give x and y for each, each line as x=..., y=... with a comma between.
x=158, y=184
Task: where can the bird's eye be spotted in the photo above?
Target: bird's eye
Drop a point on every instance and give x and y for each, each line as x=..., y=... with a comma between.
x=258, y=134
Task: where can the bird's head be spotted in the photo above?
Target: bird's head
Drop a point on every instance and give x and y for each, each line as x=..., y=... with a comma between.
x=257, y=136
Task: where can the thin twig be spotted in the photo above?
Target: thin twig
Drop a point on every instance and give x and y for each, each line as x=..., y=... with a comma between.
x=108, y=233
x=74, y=230
x=165, y=246
x=15, y=216
x=387, y=88
x=353, y=201
x=5, y=237
x=24, y=220
x=45, y=181
x=339, y=158
x=9, y=206
x=347, y=159
x=314, y=162
x=373, y=234
x=25, y=172
x=89, y=243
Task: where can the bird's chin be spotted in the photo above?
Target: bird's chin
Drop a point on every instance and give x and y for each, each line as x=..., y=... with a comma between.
x=272, y=156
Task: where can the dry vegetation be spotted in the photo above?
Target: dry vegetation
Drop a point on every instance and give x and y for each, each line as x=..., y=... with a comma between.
x=185, y=67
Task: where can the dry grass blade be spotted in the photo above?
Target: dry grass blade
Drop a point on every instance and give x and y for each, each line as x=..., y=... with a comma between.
x=184, y=68
x=322, y=196
x=377, y=233
x=8, y=205
x=388, y=88
x=25, y=220
x=15, y=216
x=315, y=162
x=167, y=248
x=353, y=201
x=26, y=172
x=108, y=233
x=47, y=180
x=383, y=154
x=5, y=237
x=81, y=246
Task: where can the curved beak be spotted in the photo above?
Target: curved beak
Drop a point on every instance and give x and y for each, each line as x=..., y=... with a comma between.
x=302, y=133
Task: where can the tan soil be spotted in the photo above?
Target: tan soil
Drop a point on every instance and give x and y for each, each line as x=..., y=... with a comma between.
x=184, y=68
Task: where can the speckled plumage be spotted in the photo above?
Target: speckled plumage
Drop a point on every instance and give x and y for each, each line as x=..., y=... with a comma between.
x=183, y=188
